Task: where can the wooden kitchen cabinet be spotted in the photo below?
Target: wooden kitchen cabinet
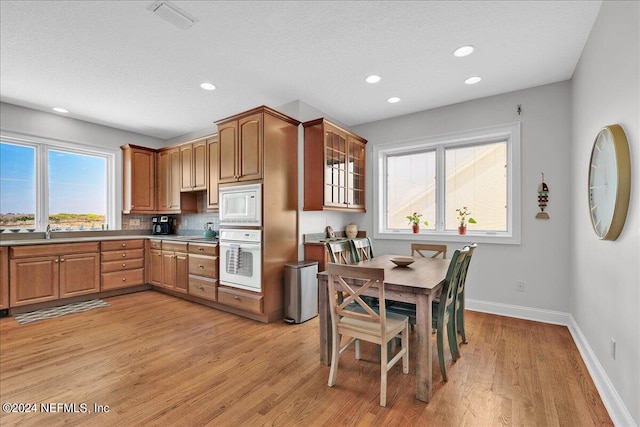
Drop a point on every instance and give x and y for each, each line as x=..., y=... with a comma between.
x=212, y=174
x=169, y=180
x=139, y=179
x=4, y=278
x=193, y=166
x=203, y=270
x=123, y=264
x=240, y=148
x=40, y=273
x=155, y=262
x=175, y=266
x=334, y=167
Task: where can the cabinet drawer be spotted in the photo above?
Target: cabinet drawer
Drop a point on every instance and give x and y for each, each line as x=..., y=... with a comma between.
x=174, y=246
x=54, y=249
x=203, y=266
x=121, y=265
x=246, y=301
x=203, y=288
x=120, y=255
x=116, y=245
x=155, y=244
x=122, y=279
x=203, y=249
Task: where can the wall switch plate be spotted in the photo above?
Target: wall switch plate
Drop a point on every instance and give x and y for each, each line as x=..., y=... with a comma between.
x=520, y=286
x=134, y=221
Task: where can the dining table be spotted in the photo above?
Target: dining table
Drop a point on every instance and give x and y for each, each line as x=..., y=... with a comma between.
x=418, y=283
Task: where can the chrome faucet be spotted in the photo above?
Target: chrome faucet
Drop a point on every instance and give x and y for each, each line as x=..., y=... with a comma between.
x=47, y=233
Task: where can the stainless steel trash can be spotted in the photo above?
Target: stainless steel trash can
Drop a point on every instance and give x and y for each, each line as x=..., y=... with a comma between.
x=300, y=291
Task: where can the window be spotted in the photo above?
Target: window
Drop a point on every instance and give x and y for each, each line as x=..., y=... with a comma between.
x=477, y=169
x=43, y=182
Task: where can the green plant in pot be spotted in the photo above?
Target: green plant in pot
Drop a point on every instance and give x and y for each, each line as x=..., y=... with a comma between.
x=463, y=218
x=414, y=221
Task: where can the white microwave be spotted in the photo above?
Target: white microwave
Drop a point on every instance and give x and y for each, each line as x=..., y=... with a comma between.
x=241, y=205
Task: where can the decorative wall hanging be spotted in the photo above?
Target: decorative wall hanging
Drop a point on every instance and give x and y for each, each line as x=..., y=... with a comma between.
x=543, y=198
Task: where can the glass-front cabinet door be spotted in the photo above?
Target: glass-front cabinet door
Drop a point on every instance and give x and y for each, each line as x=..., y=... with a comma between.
x=335, y=168
x=355, y=174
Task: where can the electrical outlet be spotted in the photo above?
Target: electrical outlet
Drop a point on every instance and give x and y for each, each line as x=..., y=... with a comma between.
x=134, y=221
x=613, y=348
x=520, y=286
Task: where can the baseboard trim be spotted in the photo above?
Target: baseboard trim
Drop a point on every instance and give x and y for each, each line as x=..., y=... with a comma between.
x=608, y=393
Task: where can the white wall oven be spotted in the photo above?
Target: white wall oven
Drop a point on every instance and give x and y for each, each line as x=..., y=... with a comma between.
x=241, y=205
x=241, y=258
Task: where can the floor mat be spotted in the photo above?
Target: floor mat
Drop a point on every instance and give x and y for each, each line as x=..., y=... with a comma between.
x=50, y=313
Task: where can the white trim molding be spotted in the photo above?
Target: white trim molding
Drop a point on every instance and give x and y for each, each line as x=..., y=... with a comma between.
x=615, y=406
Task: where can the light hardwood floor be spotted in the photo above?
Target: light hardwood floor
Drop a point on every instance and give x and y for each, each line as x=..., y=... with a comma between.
x=158, y=360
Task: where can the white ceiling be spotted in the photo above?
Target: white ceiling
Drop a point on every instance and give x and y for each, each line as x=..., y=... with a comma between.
x=116, y=63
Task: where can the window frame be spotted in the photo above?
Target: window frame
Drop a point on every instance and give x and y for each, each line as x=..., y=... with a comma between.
x=509, y=132
x=42, y=147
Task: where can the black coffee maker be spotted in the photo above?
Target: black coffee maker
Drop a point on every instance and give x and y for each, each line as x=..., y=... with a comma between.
x=162, y=224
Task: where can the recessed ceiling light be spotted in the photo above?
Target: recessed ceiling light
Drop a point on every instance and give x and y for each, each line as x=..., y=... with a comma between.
x=208, y=86
x=60, y=110
x=372, y=79
x=463, y=51
x=473, y=80
x=393, y=100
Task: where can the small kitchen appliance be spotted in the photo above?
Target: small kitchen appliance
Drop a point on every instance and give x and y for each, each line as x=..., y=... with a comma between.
x=162, y=224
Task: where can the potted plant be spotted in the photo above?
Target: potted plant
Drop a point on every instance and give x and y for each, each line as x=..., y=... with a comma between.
x=462, y=217
x=414, y=221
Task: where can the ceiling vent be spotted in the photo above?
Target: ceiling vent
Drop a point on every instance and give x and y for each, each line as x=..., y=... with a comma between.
x=172, y=14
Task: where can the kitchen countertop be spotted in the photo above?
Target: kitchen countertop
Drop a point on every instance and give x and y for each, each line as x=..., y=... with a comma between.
x=38, y=238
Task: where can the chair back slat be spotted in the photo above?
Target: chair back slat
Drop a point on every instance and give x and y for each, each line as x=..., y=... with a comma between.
x=465, y=267
x=450, y=287
x=421, y=248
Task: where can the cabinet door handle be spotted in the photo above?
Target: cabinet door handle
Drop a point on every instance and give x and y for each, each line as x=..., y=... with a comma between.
x=61, y=259
x=201, y=249
x=201, y=287
x=124, y=265
x=124, y=255
x=124, y=279
x=56, y=260
x=124, y=245
x=200, y=266
x=236, y=298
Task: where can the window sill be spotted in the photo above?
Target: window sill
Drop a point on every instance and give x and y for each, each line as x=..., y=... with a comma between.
x=450, y=236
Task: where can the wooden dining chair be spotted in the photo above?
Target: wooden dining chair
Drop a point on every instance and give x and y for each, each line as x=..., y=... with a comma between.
x=340, y=252
x=443, y=311
x=369, y=324
x=460, y=296
x=421, y=249
x=362, y=248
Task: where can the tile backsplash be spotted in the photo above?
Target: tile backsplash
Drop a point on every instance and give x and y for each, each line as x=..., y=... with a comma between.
x=185, y=222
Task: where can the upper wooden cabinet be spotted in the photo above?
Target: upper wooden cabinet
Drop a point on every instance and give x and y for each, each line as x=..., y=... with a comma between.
x=139, y=175
x=334, y=167
x=212, y=173
x=169, y=180
x=193, y=166
x=240, y=148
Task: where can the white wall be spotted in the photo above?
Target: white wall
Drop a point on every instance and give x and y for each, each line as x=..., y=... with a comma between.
x=542, y=259
x=605, y=276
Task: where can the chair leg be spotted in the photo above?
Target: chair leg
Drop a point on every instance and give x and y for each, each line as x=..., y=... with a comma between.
x=357, y=349
x=405, y=347
x=440, y=340
x=384, y=360
x=335, y=355
x=460, y=321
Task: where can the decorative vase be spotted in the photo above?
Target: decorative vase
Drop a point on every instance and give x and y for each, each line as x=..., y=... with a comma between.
x=416, y=228
x=351, y=231
x=462, y=229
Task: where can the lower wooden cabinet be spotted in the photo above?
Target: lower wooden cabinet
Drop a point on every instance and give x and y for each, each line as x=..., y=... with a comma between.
x=122, y=264
x=243, y=300
x=175, y=266
x=41, y=273
x=203, y=270
x=4, y=278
